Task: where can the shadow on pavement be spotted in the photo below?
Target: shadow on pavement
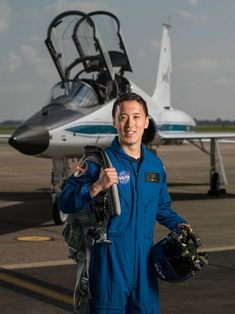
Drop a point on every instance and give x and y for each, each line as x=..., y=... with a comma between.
x=209, y=292
x=30, y=210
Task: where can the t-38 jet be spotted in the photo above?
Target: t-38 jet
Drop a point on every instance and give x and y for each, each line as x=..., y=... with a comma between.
x=89, y=53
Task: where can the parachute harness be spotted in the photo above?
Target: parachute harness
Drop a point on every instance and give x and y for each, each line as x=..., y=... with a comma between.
x=87, y=227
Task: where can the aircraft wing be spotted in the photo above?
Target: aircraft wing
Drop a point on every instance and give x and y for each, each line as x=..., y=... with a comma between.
x=196, y=135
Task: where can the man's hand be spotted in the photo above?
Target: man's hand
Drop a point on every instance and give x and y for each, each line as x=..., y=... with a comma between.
x=186, y=227
x=189, y=233
x=107, y=178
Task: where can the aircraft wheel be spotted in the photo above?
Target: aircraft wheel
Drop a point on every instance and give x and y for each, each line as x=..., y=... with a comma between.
x=215, y=183
x=58, y=216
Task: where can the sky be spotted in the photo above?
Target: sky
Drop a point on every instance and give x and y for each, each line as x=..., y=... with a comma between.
x=202, y=41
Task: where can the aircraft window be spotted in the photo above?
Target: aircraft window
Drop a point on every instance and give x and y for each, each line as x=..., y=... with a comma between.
x=74, y=95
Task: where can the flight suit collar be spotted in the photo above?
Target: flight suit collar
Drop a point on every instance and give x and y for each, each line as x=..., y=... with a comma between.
x=115, y=146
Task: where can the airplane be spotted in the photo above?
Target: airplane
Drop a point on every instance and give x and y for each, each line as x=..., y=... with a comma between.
x=91, y=58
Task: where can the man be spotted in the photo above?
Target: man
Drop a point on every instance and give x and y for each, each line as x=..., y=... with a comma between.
x=121, y=277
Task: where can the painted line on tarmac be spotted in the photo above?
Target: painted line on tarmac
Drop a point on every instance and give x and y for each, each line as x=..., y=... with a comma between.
x=71, y=262
x=219, y=249
x=39, y=264
x=35, y=288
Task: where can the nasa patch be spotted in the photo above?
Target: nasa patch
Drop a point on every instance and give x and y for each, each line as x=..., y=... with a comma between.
x=124, y=177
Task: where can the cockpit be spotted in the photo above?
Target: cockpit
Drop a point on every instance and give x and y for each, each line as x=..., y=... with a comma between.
x=74, y=95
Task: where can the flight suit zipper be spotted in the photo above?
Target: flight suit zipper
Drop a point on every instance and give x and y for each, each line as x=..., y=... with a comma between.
x=136, y=206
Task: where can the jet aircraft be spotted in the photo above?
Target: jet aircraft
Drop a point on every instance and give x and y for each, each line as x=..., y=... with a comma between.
x=91, y=58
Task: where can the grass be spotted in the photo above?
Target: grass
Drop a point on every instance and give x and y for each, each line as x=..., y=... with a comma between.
x=6, y=129
x=215, y=128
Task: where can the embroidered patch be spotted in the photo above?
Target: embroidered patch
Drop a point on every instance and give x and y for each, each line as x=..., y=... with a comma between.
x=81, y=169
x=124, y=177
x=152, y=177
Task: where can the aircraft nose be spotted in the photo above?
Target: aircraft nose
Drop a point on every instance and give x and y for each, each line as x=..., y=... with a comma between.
x=30, y=140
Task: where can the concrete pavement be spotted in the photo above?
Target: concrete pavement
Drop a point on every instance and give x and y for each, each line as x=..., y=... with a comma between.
x=37, y=277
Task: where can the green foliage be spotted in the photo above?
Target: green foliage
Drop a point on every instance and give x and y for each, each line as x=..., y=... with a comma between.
x=215, y=128
x=7, y=128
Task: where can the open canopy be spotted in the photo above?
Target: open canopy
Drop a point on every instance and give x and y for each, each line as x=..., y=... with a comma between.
x=80, y=42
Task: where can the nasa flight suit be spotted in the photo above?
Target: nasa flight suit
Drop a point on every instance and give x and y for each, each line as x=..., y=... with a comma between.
x=121, y=277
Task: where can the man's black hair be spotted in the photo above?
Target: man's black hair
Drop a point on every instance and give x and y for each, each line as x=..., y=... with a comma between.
x=129, y=97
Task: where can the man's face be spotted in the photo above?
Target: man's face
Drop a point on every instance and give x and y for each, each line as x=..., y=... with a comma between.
x=130, y=121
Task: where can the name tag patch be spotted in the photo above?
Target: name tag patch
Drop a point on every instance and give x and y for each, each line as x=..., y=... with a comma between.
x=152, y=177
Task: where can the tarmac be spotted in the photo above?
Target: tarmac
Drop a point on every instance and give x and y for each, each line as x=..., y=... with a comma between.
x=37, y=277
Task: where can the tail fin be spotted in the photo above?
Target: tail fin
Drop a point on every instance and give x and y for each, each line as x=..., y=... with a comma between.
x=162, y=92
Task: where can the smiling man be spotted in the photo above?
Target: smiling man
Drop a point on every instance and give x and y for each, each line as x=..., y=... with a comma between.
x=121, y=276
x=130, y=117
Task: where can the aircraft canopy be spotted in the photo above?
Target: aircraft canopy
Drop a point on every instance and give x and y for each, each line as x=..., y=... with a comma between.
x=80, y=42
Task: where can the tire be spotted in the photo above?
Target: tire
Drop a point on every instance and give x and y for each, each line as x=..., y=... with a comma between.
x=215, y=183
x=58, y=217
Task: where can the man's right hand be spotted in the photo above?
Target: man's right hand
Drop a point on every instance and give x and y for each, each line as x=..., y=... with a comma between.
x=107, y=178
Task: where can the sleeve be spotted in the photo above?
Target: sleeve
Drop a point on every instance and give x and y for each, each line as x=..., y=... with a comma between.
x=165, y=214
x=75, y=194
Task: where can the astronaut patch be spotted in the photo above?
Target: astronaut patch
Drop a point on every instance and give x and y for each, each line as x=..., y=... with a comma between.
x=124, y=177
x=152, y=177
x=81, y=169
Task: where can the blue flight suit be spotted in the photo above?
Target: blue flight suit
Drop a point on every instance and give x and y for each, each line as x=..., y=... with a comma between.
x=121, y=277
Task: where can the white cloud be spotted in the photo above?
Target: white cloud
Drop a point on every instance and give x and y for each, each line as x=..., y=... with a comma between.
x=32, y=13
x=28, y=61
x=31, y=57
x=200, y=65
x=22, y=87
x=202, y=18
x=141, y=52
x=156, y=44
x=36, y=39
x=82, y=5
x=223, y=82
x=12, y=63
x=193, y=2
x=190, y=84
x=5, y=14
